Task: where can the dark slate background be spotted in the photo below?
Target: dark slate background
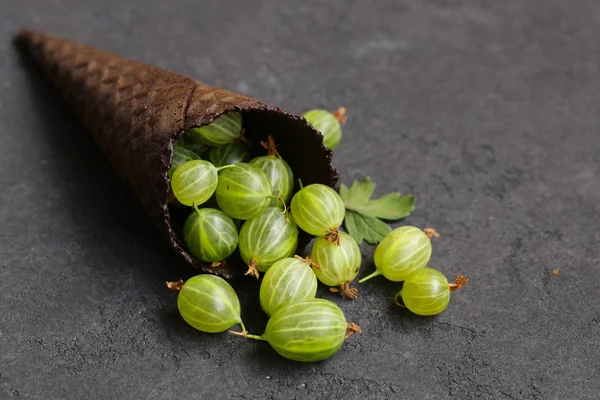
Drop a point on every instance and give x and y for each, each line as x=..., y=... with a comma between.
x=487, y=111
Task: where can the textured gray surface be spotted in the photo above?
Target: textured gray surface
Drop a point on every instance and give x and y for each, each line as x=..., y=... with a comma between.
x=487, y=111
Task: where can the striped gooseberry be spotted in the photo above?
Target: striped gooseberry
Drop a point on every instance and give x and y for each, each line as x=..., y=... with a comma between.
x=188, y=143
x=210, y=234
x=427, y=292
x=337, y=264
x=194, y=182
x=228, y=154
x=180, y=156
x=266, y=239
x=318, y=210
x=402, y=252
x=287, y=281
x=279, y=173
x=329, y=124
x=307, y=331
x=243, y=191
x=225, y=129
x=208, y=303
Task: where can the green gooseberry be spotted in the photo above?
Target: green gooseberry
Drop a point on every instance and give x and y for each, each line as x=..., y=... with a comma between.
x=243, y=191
x=337, y=263
x=307, y=331
x=210, y=235
x=266, y=239
x=225, y=129
x=318, y=210
x=427, y=291
x=280, y=175
x=228, y=154
x=328, y=124
x=402, y=252
x=180, y=156
x=194, y=182
x=208, y=303
x=287, y=281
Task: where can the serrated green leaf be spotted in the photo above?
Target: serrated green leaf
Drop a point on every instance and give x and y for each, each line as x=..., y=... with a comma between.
x=392, y=206
x=371, y=229
x=363, y=215
x=352, y=228
x=359, y=193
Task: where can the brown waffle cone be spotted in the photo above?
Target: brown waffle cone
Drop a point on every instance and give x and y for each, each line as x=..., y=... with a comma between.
x=136, y=111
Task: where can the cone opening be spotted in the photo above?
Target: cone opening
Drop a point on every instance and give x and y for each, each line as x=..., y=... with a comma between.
x=136, y=111
x=297, y=142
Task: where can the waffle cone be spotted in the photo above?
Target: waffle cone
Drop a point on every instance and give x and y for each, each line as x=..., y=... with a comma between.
x=136, y=111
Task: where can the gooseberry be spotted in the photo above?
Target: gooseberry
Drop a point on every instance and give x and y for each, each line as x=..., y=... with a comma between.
x=306, y=331
x=243, y=191
x=266, y=239
x=402, y=252
x=287, y=281
x=210, y=234
x=208, y=303
x=427, y=292
x=318, y=210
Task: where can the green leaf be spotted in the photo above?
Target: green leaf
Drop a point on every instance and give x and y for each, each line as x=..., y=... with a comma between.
x=365, y=227
x=362, y=214
x=392, y=206
x=352, y=228
x=360, y=192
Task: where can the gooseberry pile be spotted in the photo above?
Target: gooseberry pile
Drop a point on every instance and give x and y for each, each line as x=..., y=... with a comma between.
x=255, y=193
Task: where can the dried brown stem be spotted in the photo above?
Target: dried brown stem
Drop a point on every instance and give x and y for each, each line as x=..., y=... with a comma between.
x=396, y=302
x=333, y=236
x=340, y=115
x=252, y=271
x=308, y=261
x=242, y=138
x=431, y=233
x=351, y=329
x=460, y=282
x=175, y=285
x=221, y=263
x=346, y=290
x=271, y=147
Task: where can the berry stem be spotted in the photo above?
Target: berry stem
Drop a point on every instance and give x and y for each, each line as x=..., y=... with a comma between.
x=242, y=138
x=271, y=147
x=308, y=261
x=373, y=275
x=195, y=206
x=333, y=236
x=175, y=285
x=346, y=290
x=460, y=282
x=252, y=271
x=431, y=233
x=300, y=184
x=285, y=208
x=351, y=328
x=396, y=302
x=246, y=335
x=340, y=115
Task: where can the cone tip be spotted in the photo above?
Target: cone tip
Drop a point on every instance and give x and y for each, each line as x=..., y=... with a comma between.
x=24, y=36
